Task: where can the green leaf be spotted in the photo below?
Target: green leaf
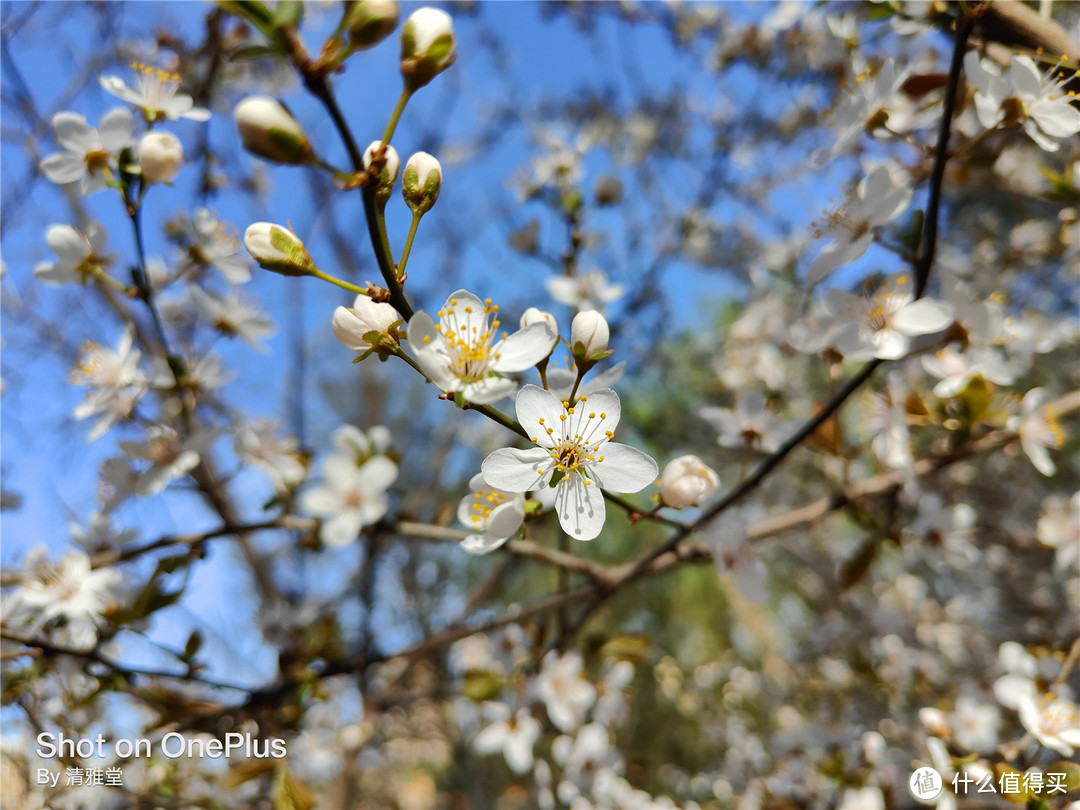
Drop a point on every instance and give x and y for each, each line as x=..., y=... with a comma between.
x=251, y=52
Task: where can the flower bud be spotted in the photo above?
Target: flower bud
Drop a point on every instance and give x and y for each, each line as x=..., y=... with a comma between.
x=160, y=157
x=366, y=326
x=420, y=182
x=384, y=184
x=687, y=481
x=278, y=249
x=589, y=334
x=269, y=131
x=369, y=22
x=427, y=46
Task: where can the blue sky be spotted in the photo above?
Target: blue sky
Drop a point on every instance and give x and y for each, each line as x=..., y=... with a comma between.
x=44, y=455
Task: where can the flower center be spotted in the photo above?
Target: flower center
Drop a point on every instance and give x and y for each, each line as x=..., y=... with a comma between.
x=469, y=339
x=1058, y=715
x=156, y=86
x=579, y=443
x=484, y=502
x=96, y=161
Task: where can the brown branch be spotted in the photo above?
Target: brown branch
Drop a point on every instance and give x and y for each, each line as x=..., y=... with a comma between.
x=1013, y=23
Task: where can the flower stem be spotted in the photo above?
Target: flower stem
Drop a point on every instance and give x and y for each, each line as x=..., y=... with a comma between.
x=408, y=244
x=337, y=282
x=393, y=122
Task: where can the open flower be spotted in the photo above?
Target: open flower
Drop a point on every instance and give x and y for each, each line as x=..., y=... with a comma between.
x=1059, y=527
x=574, y=442
x=1039, y=429
x=566, y=693
x=352, y=493
x=584, y=291
x=512, y=734
x=156, y=93
x=460, y=354
x=880, y=197
x=882, y=324
x=79, y=257
x=494, y=515
x=91, y=154
x=1037, y=101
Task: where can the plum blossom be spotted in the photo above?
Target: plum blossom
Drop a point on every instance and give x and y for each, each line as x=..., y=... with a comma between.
x=212, y=243
x=1038, y=429
x=687, y=481
x=279, y=457
x=100, y=534
x=885, y=421
x=352, y=494
x=170, y=456
x=881, y=324
x=156, y=92
x=80, y=257
x=584, y=291
x=748, y=424
x=574, y=441
x=234, y=317
x=68, y=591
x=90, y=155
x=368, y=326
x=880, y=198
x=494, y=516
x=1052, y=720
x=1037, y=101
x=1059, y=528
x=565, y=691
x=874, y=102
x=512, y=734
x=115, y=381
x=460, y=354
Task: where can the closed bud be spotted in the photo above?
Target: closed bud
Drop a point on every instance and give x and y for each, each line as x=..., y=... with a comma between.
x=427, y=46
x=269, y=131
x=160, y=157
x=686, y=481
x=421, y=181
x=589, y=335
x=384, y=183
x=366, y=326
x=369, y=22
x=278, y=249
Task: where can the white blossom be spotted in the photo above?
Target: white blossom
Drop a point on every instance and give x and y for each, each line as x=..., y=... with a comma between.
x=566, y=693
x=512, y=734
x=80, y=257
x=156, y=91
x=462, y=353
x=90, y=156
x=574, y=441
x=584, y=291
x=493, y=515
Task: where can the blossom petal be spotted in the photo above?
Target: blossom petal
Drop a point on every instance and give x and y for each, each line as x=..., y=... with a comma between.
x=513, y=470
x=524, y=348
x=377, y=474
x=348, y=329
x=68, y=244
x=74, y=133
x=624, y=468
x=63, y=167
x=923, y=317
x=115, y=128
x=1057, y=118
x=888, y=344
x=428, y=347
x=506, y=518
x=534, y=404
x=605, y=404
x=482, y=543
x=580, y=507
x=488, y=390
x=116, y=86
x=464, y=313
x=342, y=528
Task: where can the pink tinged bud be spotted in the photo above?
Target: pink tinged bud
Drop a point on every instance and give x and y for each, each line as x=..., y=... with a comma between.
x=366, y=325
x=277, y=249
x=269, y=130
x=420, y=182
x=428, y=46
x=687, y=481
x=160, y=157
x=369, y=22
x=384, y=184
x=589, y=334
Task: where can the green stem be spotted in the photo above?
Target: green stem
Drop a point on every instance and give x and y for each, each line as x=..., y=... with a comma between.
x=542, y=368
x=577, y=382
x=408, y=244
x=393, y=122
x=337, y=282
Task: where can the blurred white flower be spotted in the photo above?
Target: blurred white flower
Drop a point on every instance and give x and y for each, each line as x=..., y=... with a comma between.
x=584, y=291
x=564, y=689
x=1059, y=528
x=80, y=257
x=1038, y=429
x=512, y=735
x=91, y=154
x=156, y=91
